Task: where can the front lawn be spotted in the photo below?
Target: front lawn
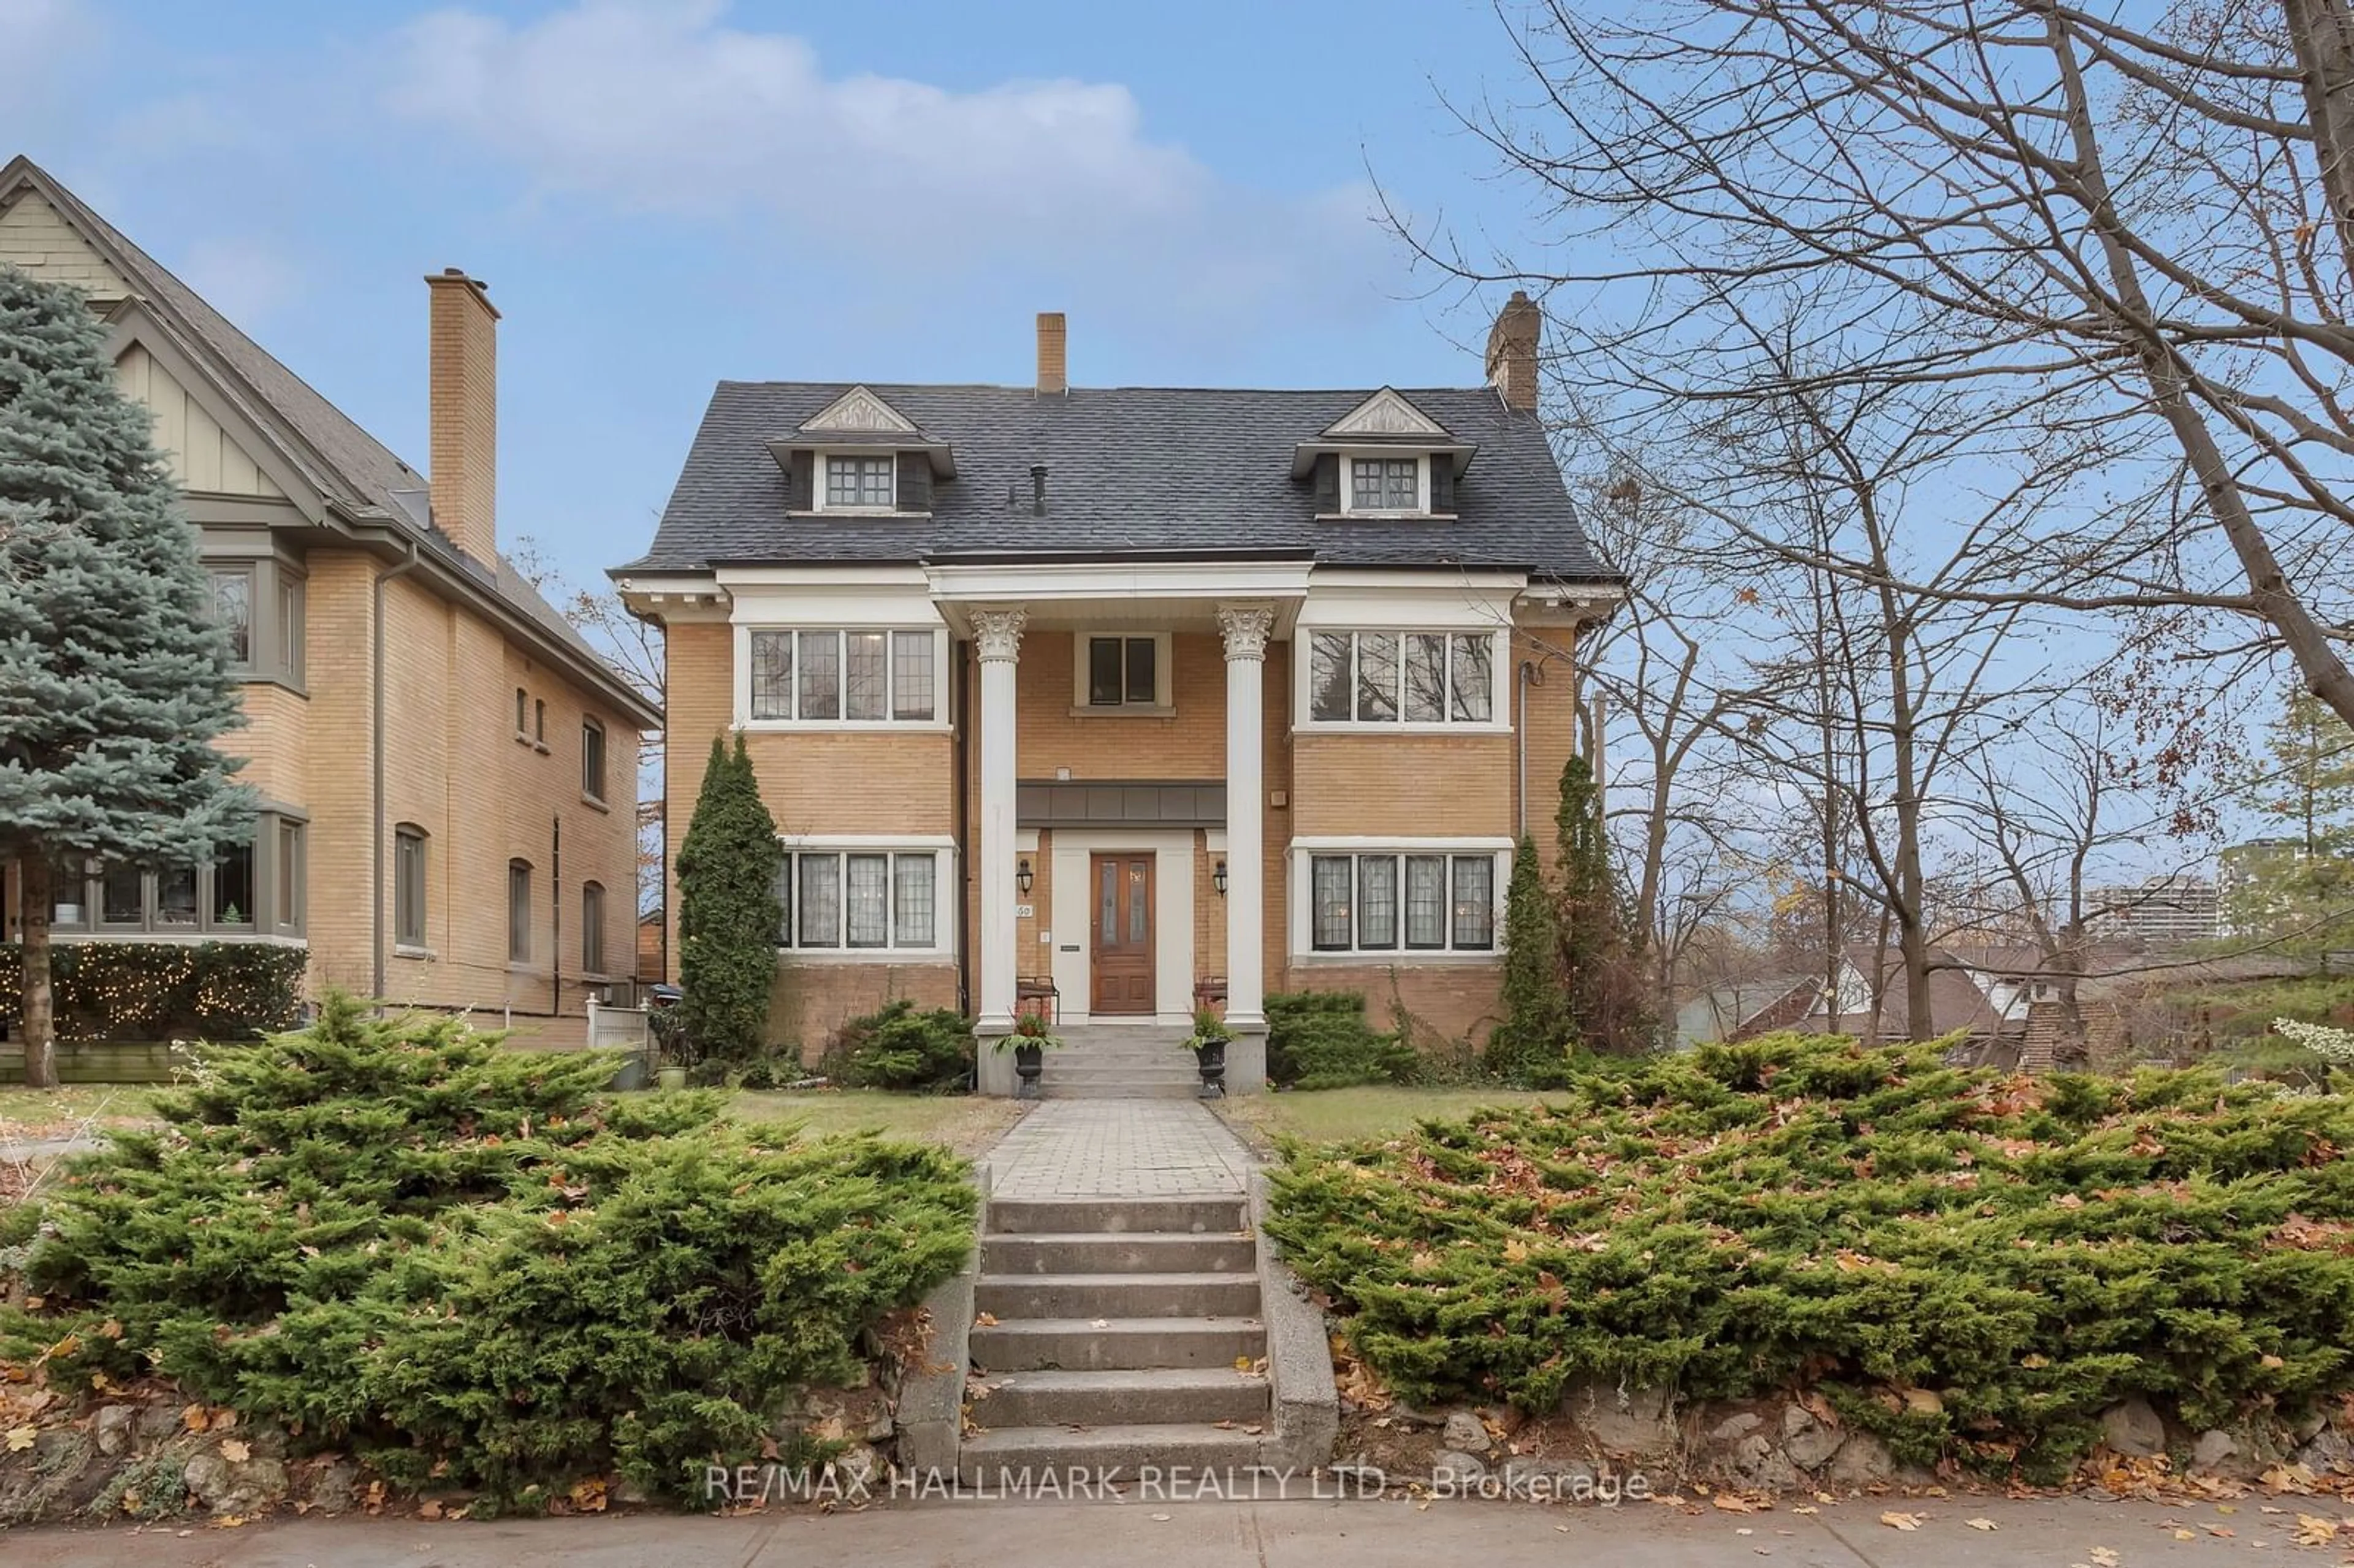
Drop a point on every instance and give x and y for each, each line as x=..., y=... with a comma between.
x=966, y=1124
x=1370, y=1110
x=27, y=1115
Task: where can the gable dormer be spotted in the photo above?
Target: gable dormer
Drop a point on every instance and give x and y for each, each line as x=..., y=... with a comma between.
x=1384, y=458
x=858, y=456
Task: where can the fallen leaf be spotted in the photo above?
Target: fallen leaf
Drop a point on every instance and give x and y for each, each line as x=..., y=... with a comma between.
x=21, y=1438
x=1242, y=1364
x=193, y=1418
x=2104, y=1557
x=1162, y=1517
x=985, y=1320
x=2181, y=1534
x=1099, y=1323
x=1901, y=1521
x=1979, y=1523
x=1806, y=1508
x=588, y=1497
x=428, y=1509
x=234, y=1452
x=2312, y=1530
x=1733, y=1503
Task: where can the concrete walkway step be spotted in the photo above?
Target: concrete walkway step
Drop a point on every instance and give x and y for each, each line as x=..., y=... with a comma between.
x=989, y=1457
x=1083, y=1252
x=1106, y=1344
x=1121, y=1091
x=1123, y=1216
x=1113, y=1398
x=1117, y=1295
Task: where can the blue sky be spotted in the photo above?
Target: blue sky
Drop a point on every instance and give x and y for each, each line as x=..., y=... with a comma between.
x=664, y=193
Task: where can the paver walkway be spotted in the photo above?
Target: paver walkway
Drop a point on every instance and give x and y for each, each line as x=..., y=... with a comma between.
x=1118, y=1148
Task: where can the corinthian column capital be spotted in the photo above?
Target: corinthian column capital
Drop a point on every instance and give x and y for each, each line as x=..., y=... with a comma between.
x=1246, y=627
x=998, y=633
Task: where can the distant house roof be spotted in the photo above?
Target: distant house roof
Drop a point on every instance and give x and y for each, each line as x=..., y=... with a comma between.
x=347, y=465
x=1130, y=469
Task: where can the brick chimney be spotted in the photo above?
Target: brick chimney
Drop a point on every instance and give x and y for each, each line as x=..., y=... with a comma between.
x=463, y=397
x=1054, y=372
x=1512, y=350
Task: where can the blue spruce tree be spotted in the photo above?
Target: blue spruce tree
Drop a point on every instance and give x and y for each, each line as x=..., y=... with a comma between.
x=114, y=678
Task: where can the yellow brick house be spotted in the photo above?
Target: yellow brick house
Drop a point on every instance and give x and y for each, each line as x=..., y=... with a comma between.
x=1133, y=695
x=447, y=770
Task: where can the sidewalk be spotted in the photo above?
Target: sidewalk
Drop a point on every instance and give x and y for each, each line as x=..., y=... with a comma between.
x=2048, y=1534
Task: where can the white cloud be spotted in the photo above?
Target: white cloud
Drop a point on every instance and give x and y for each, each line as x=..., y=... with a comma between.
x=665, y=107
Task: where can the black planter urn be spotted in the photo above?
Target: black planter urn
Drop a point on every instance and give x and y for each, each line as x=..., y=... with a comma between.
x=1212, y=1060
x=1029, y=1061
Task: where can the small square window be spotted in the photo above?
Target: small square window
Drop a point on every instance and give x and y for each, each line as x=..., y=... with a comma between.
x=592, y=759
x=1384, y=484
x=1123, y=671
x=859, y=480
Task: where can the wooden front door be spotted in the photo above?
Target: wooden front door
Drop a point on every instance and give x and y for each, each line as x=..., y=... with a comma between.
x=1121, y=888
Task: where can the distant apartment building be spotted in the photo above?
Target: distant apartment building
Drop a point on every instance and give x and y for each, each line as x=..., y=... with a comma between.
x=2170, y=911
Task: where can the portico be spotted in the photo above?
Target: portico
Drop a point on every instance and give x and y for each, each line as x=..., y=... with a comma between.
x=1079, y=873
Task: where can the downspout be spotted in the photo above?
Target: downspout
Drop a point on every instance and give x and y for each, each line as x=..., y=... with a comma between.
x=376, y=751
x=962, y=714
x=556, y=914
x=1530, y=675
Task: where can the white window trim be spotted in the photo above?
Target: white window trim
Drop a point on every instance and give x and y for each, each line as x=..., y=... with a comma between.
x=1349, y=507
x=1164, y=677
x=823, y=461
x=1500, y=711
x=937, y=724
x=941, y=847
x=1299, y=893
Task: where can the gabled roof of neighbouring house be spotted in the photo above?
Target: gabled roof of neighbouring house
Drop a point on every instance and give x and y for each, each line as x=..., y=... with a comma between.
x=1130, y=469
x=348, y=466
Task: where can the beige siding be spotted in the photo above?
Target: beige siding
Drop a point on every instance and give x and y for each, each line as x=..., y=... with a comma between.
x=34, y=237
x=203, y=456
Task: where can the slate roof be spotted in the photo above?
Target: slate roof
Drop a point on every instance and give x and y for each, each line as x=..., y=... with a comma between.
x=1134, y=469
x=347, y=465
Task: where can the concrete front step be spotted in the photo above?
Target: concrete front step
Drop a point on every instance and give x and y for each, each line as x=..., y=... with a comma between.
x=1106, y=1344
x=1119, y=1092
x=1157, y=1394
x=1117, y=1295
x=1115, y=1216
x=1082, y=1252
x=999, y=1458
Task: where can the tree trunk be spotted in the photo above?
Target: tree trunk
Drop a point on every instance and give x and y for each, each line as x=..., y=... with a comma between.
x=2322, y=33
x=2308, y=642
x=41, y=1012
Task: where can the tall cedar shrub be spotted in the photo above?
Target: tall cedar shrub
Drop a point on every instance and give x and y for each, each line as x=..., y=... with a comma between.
x=728, y=916
x=1606, y=995
x=114, y=673
x=1533, y=1032
x=468, y=1265
x=1797, y=1211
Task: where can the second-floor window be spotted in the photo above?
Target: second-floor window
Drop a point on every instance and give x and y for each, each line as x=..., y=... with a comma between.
x=592, y=759
x=1121, y=672
x=233, y=608
x=823, y=674
x=859, y=480
x=1386, y=677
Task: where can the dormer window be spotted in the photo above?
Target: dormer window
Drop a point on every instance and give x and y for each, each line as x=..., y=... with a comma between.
x=860, y=482
x=1386, y=484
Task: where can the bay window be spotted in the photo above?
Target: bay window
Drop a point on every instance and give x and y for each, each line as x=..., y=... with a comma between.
x=222, y=898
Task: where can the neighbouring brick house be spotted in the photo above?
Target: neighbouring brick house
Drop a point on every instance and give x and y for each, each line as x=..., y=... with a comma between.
x=448, y=771
x=1140, y=692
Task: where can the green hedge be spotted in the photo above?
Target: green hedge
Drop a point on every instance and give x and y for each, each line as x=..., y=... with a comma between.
x=163, y=990
x=1796, y=1210
x=898, y=1047
x=463, y=1264
x=1320, y=1040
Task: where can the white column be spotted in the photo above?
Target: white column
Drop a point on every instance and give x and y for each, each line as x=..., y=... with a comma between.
x=1246, y=627
x=997, y=636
